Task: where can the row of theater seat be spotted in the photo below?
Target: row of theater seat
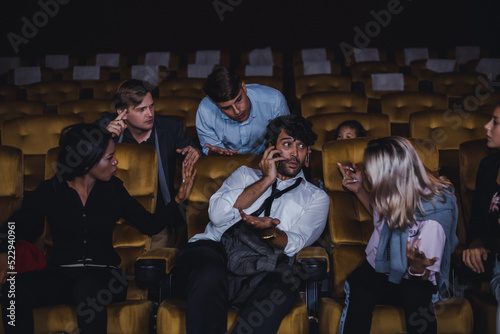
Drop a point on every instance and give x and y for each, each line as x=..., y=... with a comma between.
x=348, y=230
x=446, y=128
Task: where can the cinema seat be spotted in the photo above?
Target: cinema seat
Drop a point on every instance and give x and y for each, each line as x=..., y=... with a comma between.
x=212, y=171
x=350, y=227
x=34, y=135
x=332, y=102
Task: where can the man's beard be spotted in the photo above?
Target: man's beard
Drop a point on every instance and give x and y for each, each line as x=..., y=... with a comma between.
x=286, y=172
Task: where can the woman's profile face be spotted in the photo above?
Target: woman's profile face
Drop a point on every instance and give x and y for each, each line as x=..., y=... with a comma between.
x=493, y=129
x=106, y=167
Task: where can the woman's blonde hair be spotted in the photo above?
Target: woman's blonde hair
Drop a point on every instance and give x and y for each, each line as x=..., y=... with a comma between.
x=399, y=180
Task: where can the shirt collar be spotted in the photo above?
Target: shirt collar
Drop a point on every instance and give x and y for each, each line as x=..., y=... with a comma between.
x=292, y=180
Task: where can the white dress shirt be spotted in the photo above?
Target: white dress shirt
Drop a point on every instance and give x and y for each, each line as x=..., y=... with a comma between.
x=302, y=211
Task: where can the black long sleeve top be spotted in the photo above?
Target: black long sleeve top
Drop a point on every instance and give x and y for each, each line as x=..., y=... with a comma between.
x=84, y=232
x=485, y=212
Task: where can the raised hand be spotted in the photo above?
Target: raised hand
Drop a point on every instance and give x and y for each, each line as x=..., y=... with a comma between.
x=352, y=178
x=260, y=223
x=417, y=260
x=267, y=164
x=220, y=150
x=192, y=154
x=117, y=125
x=188, y=175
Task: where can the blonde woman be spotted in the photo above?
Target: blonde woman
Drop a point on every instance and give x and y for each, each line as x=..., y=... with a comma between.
x=408, y=255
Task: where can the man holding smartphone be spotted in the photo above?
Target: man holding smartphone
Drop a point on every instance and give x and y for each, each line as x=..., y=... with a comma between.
x=232, y=118
x=292, y=216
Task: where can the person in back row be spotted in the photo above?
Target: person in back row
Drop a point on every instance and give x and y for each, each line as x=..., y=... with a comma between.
x=136, y=122
x=232, y=118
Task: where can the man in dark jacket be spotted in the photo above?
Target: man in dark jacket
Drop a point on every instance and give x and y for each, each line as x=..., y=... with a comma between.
x=135, y=122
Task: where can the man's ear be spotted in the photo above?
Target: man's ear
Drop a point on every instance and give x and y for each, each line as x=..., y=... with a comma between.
x=306, y=163
x=244, y=87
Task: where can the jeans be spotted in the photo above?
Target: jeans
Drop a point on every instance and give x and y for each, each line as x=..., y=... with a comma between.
x=495, y=287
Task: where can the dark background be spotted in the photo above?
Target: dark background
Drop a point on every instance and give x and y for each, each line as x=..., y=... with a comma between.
x=131, y=27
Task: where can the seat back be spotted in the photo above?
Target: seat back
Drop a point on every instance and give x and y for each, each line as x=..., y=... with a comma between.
x=35, y=135
x=410, y=85
x=332, y=102
x=367, y=68
x=191, y=87
x=470, y=154
x=321, y=83
x=8, y=92
x=12, y=181
x=90, y=110
x=448, y=129
x=138, y=169
x=349, y=224
x=274, y=82
x=324, y=125
x=22, y=106
x=399, y=106
x=212, y=171
x=106, y=89
x=459, y=84
x=52, y=93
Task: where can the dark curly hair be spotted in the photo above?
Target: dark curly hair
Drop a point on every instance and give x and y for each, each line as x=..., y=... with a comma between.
x=81, y=147
x=294, y=125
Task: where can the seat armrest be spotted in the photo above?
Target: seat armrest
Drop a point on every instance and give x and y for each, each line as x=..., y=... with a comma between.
x=314, y=262
x=155, y=264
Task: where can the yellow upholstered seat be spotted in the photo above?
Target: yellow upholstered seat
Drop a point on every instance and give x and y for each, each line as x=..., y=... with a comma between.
x=400, y=105
x=351, y=226
x=399, y=55
x=274, y=82
x=191, y=87
x=8, y=92
x=34, y=135
x=456, y=85
x=277, y=58
x=106, y=89
x=410, y=85
x=324, y=125
x=299, y=71
x=350, y=59
x=18, y=108
x=12, y=180
x=183, y=108
x=363, y=70
x=470, y=155
x=52, y=93
x=212, y=171
x=173, y=61
x=90, y=110
x=332, y=102
x=419, y=69
x=321, y=83
x=448, y=129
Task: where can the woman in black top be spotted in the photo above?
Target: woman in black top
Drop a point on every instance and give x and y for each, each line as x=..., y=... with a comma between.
x=484, y=228
x=82, y=204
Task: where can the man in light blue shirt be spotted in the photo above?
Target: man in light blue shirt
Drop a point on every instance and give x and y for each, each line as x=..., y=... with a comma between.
x=232, y=118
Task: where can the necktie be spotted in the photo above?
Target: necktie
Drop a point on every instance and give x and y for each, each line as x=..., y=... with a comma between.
x=275, y=193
